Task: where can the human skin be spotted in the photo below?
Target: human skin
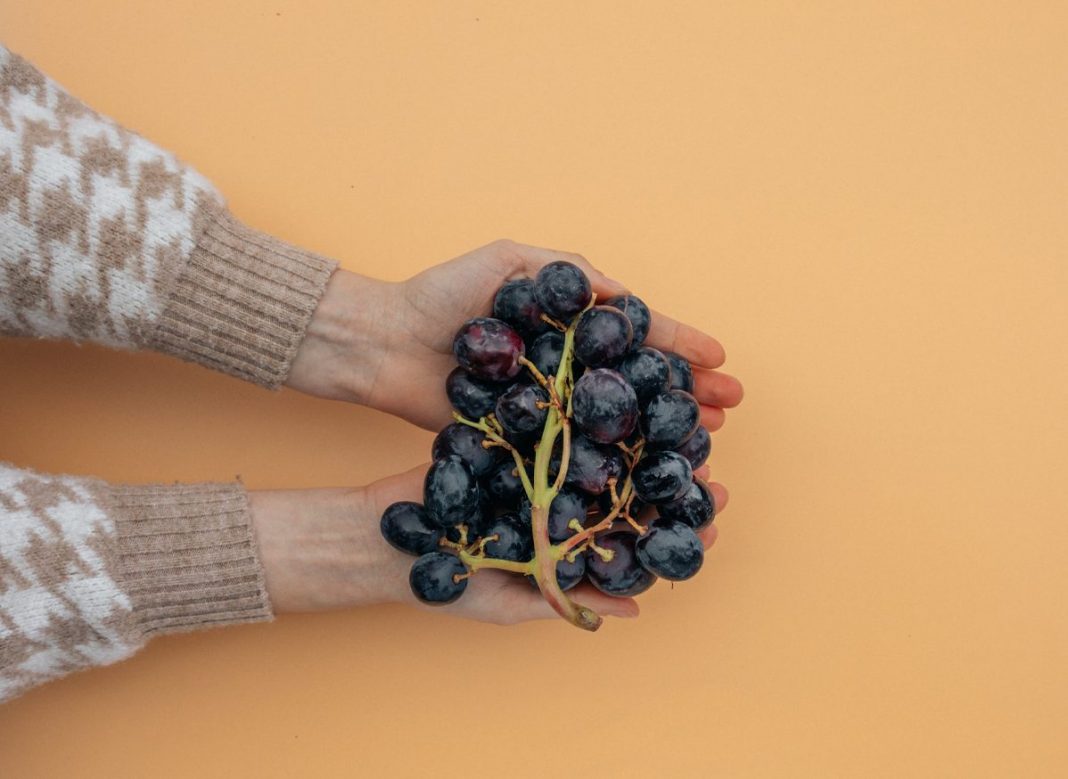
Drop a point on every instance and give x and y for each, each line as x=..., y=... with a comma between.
x=322, y=549
x=380, y=344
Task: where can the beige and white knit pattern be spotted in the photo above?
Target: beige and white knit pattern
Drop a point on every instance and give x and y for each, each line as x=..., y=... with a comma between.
x=107, y=238
x=61, y=607
x=95, y=219
x=90, y=571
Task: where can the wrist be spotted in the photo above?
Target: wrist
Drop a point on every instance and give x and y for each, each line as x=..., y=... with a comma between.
x=322, y=549
x=344, y=346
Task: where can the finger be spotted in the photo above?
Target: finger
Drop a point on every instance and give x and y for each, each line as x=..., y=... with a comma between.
x=712, y=418
x=536, y=257
x=709, y=535
x=584, y=595
x=720, y=496
x=605, y=605
x=703, y=472
x=713, y=388
x=699, y=348
x=400, y=486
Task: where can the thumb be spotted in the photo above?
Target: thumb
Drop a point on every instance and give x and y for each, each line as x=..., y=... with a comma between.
x=535, y=258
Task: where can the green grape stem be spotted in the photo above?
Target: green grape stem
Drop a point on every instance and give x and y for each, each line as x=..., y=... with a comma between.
x=546, y=554
x=541, y=493
x=474, y=562
x=498, y=440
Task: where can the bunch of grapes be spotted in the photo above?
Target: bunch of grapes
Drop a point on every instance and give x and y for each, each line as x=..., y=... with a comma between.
x=572, y=455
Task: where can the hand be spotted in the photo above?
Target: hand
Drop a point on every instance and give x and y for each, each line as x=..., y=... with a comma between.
x=389, y=346
x=322, y=549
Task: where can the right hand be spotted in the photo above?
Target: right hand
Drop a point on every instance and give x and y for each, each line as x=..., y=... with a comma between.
x=389, y=345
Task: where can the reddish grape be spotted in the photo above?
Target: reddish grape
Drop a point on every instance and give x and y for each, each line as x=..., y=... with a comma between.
x=489, y=349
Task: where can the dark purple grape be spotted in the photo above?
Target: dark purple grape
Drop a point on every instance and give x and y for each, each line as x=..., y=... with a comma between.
x=453, y=534
x=504, y=484
x=466, y=443
x=605, y=406
x=622, y=576
x=513, y=542
x=488, y=348
x=591, y=465
x=433, y=578
x=406, y=526
x=681, y=372
x=696, y=506
x=697, y=447
x=546, y=352
x=647, y=371
x=515, y=304
x=486, y=514
x=476, y=523
x=562, y=290
x=671, y=550
x=472, y=397
x=519, y=412
x=637, y=312
x=450, y=492
x=669, y=419
x=602, y=336
x=567, y=505
x=568, y=574
x=661, y=477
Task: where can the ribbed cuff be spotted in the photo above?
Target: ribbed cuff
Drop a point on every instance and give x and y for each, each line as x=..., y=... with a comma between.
x=242, y=303
x=187, y=556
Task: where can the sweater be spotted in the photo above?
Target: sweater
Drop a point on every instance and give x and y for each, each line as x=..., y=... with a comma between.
x=106, y=238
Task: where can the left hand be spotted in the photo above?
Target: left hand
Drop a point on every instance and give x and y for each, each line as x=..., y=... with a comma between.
x=322, y=549
x=389, y=345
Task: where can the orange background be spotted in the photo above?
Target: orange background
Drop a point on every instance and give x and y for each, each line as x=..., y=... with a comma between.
x=865, y=202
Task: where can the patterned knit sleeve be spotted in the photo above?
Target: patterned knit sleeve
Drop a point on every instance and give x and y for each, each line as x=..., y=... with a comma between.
x=89, y=571
x=106, y=238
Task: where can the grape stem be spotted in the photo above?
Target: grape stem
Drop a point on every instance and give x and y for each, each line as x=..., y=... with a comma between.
x=546, y=554
x=565, y=457
x=498, y=440
x=625, y=497
x=474, y=562
x=538, y=375
x=477, y=559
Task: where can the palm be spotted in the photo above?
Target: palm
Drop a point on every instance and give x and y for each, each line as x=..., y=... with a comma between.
x=411, y=378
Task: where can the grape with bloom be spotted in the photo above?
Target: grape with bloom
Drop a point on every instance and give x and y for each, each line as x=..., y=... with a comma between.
x=569, y=429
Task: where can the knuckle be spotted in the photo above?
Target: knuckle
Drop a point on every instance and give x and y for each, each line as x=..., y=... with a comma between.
x=504, y=246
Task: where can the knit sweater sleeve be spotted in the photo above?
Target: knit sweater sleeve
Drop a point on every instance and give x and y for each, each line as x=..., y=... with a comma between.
x=90, y=571
x=106, y=238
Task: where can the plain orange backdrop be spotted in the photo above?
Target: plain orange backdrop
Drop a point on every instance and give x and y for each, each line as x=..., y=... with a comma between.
x=865, y=201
